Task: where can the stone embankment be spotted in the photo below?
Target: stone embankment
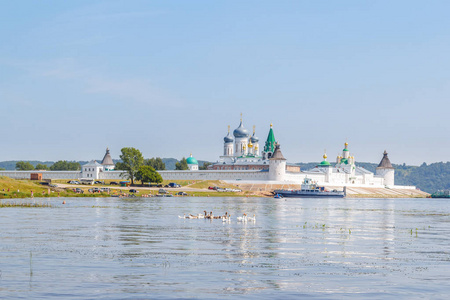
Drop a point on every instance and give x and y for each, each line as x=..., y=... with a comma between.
x=352, y=192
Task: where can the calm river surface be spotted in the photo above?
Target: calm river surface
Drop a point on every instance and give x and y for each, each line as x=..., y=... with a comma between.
x=139, y=248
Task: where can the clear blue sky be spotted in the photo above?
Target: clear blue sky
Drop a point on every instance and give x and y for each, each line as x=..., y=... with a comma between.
x=167, y=77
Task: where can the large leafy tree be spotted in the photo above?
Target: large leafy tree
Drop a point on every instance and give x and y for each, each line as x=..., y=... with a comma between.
x=119, y=166
x=148, y=174
x=24, y=166
x=63, y=165
x=156, y=163
x=182, y=165
x=41, y=167
x=132, y=159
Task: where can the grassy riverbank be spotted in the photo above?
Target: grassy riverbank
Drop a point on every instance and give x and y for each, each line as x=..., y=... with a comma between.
x=12, y=189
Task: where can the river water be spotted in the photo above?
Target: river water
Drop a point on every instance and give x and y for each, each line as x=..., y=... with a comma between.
x=140, y=248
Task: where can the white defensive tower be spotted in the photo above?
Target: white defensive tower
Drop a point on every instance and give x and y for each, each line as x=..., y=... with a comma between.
x=386, y=170
x=277, y=165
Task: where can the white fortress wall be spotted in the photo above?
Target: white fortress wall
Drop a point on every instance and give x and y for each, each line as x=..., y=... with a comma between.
x=45, y=174
x=118, y=175
x=366, y=180
x=214, y=175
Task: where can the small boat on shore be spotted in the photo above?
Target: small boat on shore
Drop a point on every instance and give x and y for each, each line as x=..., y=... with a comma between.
x=309, y=189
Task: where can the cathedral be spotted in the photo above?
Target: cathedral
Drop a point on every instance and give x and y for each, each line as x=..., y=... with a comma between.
x=241, y=151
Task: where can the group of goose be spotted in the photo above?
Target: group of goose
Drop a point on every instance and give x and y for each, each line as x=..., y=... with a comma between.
x=225, y=218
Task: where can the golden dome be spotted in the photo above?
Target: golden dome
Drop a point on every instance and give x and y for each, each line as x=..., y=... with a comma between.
x=346, y=144
x=325, y=156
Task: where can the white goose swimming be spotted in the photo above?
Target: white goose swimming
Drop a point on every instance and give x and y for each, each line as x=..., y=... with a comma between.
x=252, y=219
x=243, y=218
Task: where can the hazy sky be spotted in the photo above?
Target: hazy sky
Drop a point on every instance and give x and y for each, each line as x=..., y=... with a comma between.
x=167, y=77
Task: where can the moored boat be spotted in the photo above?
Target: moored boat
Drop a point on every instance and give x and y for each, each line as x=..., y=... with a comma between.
x=310, y=189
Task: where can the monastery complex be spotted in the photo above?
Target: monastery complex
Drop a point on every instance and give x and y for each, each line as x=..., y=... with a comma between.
x=246, y=160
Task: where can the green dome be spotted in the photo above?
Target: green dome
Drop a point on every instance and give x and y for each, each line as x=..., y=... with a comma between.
x=324, y=163
x=344, y=161
x=191, y=161
x=345, y=150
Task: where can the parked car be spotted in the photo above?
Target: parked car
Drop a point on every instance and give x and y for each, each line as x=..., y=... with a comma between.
x=134, y=191
x=174, y=185
x=155, y=185
x=104, y=190
x=182, y=194
x=113, y=183
x=52, y=185
x=78, y=190
x=162, y=191
x=74, y=182
x=98, y=182
x=96, y=190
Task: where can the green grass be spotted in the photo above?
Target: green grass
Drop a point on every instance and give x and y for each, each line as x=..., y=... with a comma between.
x=23, y=204
x=23, y=188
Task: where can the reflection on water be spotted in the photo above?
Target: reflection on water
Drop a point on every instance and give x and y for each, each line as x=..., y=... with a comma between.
x=139, y=248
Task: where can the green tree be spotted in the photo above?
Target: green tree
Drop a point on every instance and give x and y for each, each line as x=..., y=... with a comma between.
x=156, y=163
x=148, y=174
x=24, y=166
x=63, y=165
x=132, y=159
x=41, y=167
x=119, y=166
x=182, y=164
x=205, y=166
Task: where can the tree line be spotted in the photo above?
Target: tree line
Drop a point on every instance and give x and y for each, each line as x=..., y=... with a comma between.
x=61, y=165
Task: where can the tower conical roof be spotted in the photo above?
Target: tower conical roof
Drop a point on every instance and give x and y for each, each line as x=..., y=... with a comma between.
x=385, y=163
x=277, y=155
x=107, y=160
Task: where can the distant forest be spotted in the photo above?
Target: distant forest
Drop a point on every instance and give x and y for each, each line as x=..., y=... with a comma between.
x=428, y=178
